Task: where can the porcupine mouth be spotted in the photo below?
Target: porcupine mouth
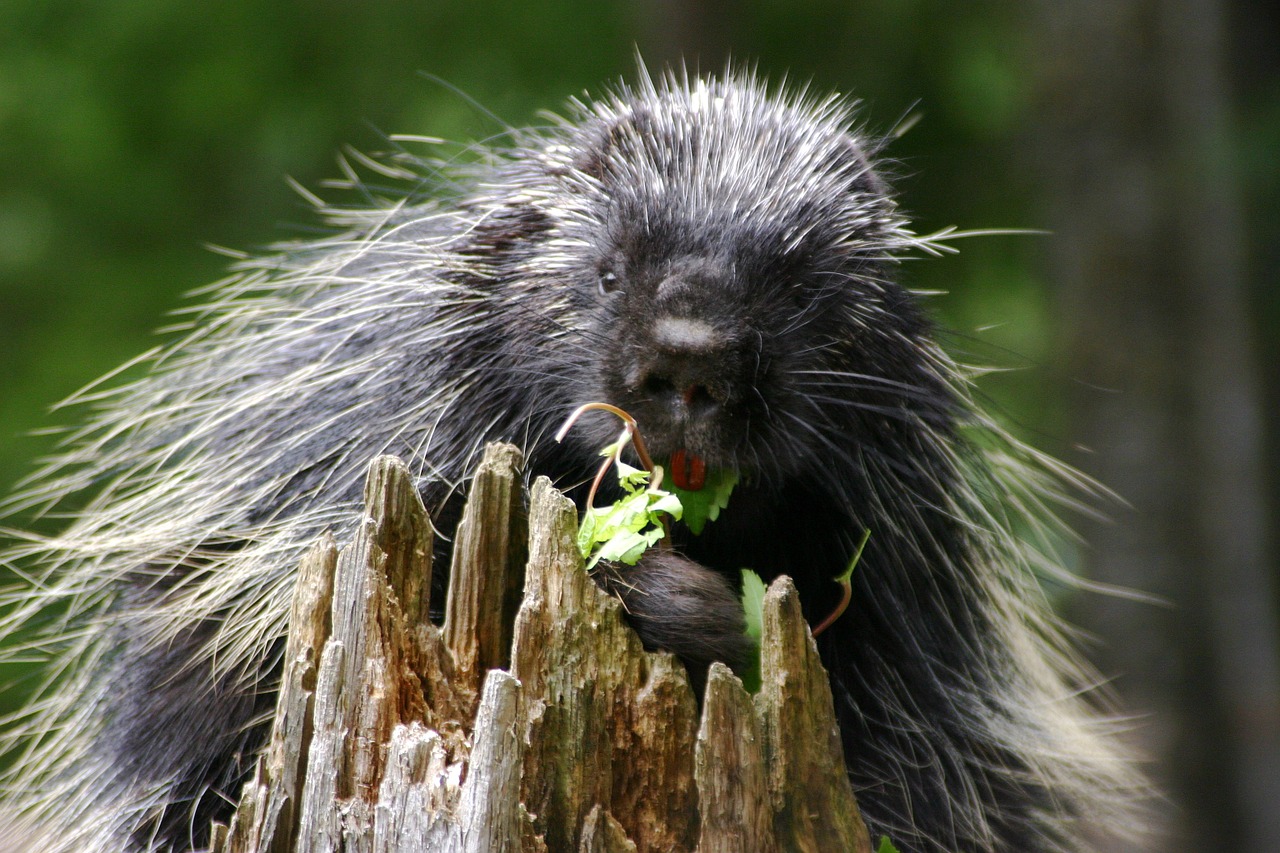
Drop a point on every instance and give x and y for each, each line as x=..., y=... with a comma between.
x=687, y=447
x=688, y=470
x=689, y=428
x=685, y=452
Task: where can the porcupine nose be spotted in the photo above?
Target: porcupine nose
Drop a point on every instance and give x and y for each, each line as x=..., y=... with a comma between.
x=690, y=371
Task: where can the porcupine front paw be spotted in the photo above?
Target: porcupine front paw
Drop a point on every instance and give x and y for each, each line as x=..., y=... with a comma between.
x=681, y=606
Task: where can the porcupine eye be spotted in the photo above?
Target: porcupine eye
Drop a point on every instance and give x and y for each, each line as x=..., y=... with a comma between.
x=608, y=283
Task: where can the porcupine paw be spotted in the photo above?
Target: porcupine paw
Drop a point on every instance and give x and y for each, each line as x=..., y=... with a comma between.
x=680, y=606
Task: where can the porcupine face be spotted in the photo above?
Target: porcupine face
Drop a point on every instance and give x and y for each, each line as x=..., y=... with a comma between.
x=736, y=265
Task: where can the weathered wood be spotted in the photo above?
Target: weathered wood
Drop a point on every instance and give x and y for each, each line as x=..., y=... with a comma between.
x=383, y=740
x=589, y=741
x=602, y=834
x=492, y=819
x=733, y=791
x=812, y=796
x=418, y=788
x=489, y=554
x=266, y=817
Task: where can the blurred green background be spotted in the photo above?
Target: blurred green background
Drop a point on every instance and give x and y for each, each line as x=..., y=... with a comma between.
x=1140, y=334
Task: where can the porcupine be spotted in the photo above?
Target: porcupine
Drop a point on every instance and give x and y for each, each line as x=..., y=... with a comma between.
x=714, y=256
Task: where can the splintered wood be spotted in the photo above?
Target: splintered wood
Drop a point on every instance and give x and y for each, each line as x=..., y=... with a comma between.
x=532, y=721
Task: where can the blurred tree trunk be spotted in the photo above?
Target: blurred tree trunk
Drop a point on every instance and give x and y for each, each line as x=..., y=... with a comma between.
x=1133, y=135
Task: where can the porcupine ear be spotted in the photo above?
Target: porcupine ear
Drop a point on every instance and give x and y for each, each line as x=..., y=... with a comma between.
x=595, y=161
x=591, y=162
x=506, y=228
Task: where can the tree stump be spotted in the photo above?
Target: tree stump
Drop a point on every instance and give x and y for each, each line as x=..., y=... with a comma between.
x=530, y=721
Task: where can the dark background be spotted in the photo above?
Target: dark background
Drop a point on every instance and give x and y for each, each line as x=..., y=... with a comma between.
x=1139, y=337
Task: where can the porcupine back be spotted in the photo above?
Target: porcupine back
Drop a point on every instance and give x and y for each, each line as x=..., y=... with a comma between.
x=714, y=257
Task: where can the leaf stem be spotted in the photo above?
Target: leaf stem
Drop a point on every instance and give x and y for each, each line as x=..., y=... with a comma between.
x=632, y=429
x=846, y=585
x=630, y=433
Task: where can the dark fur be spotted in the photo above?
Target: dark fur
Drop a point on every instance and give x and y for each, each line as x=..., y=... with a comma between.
x=720, y=262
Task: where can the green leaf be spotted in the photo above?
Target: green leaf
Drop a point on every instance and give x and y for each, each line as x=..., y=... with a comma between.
x=625, y=546
x=587, y=532
x=705, y=504
x=753, y=590
x=668, y=503
x=634, y=523
x=623, y=531
x=631, y=478
x=886, y=846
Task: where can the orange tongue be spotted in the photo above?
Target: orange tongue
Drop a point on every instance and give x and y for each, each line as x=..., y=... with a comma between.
x=688, y=472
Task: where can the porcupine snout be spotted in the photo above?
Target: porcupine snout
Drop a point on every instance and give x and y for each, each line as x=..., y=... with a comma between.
x=692, y=370
x=688, y=371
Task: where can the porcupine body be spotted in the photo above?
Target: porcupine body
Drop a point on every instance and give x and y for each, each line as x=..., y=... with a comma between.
x=716, y=258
